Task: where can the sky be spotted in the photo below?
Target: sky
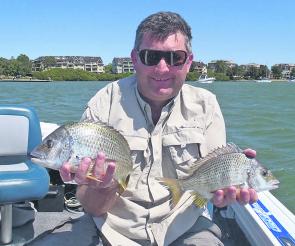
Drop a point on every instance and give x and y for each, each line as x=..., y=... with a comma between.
x=243, y=31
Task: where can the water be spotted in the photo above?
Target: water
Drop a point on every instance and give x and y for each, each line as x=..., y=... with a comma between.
x=257, y=115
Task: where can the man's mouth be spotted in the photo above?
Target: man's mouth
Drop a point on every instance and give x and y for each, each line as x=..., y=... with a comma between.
x=161, y=79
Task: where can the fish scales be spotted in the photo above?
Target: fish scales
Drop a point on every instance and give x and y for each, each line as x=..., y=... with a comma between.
x=219, y=172
x=224, y=167
x=73, y=141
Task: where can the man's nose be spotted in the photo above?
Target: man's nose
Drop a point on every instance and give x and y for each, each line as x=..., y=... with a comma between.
x=162, y=65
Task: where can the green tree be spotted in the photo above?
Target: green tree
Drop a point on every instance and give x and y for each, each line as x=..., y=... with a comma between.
x=49, y=61
x=292, y=74
x=220, y=67
x=108, y=68
x=3, y=66
x=252, y=73
x=263, y=71
x=277, y=72
x=24, y=65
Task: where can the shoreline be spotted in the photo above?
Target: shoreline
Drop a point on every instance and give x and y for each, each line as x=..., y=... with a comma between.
x=49, y=80
x=25, y=80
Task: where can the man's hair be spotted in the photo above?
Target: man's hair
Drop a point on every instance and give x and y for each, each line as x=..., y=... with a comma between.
x=162, y=24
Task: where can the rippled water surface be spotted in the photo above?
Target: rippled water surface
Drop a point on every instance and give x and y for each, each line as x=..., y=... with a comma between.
x=257, y=115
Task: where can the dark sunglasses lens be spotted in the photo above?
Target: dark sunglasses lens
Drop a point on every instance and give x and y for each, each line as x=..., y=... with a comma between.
x=150, y=57
x=178, y=58
x=153, y=57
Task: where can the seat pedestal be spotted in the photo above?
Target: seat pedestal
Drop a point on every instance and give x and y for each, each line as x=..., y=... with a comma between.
x=6, y=224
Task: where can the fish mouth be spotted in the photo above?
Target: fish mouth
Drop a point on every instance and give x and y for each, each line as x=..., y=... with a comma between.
x=41, y=160
x=274, y=183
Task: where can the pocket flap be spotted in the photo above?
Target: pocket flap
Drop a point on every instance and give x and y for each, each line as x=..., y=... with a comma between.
x=183, y=136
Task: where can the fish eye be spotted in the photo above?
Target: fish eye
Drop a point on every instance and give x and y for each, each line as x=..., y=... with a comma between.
x=49, y=143
x=264, y=172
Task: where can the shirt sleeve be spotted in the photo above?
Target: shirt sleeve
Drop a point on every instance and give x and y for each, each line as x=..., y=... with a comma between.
x=215, y=132
x=98, y=107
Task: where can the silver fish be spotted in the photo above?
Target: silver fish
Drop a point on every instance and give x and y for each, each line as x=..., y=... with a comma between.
x=73, y=141
x=224, y=167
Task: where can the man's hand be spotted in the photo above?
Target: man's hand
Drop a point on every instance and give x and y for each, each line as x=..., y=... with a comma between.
x=96, y=197
x=79, y=175
x=227, y=196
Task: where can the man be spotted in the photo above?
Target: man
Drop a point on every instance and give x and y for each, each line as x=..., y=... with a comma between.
x=168, y=126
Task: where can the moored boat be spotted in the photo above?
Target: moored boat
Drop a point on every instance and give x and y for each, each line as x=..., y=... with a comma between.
x=263, y=80
x=205, y=79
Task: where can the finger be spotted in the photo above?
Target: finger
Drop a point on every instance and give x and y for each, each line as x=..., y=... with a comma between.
x=250, y=153
x=218, y=198
x=107, y=179
x=99, y=168
x=65, y=172
x=244, y=196
x=253, y=196
x=230, y=195
x=81, y=172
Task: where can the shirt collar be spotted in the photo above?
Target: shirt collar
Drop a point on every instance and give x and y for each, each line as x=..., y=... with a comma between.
x=147, y=109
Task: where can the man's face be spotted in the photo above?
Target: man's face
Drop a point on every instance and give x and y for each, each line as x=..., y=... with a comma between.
x=161, y=82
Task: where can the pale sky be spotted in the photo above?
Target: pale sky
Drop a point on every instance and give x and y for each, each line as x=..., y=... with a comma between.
x=259, y=31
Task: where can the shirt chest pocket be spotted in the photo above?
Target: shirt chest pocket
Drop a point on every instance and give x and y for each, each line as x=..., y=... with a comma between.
x=184, y=147
x=138, y=147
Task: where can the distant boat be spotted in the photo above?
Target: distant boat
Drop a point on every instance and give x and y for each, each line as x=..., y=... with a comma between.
x=263, y=80
x=291, y=80
x=205, y=79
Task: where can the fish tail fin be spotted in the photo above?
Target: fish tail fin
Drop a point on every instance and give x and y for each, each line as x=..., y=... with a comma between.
x=174, y=186
x=199, y=201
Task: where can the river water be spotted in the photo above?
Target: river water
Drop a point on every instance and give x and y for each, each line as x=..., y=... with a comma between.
x=257, y=115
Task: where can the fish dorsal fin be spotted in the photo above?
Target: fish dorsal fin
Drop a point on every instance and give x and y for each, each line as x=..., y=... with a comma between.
x=230, y=148
x=100, y=123
x=105, y=125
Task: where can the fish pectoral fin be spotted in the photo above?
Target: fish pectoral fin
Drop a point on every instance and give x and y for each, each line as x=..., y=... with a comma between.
x=199, y=201
x=123, y=184
x=173, y=186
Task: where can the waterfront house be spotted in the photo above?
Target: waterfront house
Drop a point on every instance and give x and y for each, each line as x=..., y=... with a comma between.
x=92, y=64
x=286, y=69
x=122, y=65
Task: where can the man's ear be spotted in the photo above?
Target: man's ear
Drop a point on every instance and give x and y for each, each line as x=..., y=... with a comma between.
x=134, y=56
x=189, y=61
x=190, y=58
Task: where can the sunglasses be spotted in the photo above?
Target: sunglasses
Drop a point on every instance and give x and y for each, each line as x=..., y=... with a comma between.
x=153, y=57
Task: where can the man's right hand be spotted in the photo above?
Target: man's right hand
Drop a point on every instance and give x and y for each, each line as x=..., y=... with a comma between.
x=96, y=197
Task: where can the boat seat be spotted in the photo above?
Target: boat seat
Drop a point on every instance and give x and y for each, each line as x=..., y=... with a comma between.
x=20, y=179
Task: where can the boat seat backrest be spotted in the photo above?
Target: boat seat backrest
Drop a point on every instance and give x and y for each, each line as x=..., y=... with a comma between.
x=14, y=133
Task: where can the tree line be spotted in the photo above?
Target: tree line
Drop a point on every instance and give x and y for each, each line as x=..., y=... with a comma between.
x=22, y=66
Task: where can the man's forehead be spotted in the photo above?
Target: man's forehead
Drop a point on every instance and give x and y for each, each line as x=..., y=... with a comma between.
x=160, y=37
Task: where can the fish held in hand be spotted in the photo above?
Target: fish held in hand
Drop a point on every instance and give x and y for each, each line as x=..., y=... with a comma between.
x=224, y=167
x=73, y=141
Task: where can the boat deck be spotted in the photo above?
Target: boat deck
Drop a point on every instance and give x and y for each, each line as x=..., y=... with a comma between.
x=68, y=228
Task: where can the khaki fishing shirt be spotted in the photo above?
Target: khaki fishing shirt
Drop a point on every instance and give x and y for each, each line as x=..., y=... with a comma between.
x=189, y=127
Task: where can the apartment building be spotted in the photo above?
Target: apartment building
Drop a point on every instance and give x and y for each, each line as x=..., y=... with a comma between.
x=246, y=67
x=87, y=63
x=199, y=67
x=214, y=64
x=122, y=65
x=286, y=69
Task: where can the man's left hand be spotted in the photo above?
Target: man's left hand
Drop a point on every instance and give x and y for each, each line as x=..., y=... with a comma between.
x=231, y=194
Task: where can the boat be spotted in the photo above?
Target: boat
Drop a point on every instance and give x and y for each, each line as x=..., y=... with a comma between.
x=291, y=80
x=205, y=79
x=263, y=80
x=265, y=222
